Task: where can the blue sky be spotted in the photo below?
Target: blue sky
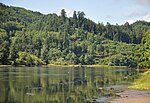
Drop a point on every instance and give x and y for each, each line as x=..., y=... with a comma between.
x=112, y=11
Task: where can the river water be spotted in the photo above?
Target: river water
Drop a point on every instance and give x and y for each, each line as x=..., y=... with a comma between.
x=61, y=85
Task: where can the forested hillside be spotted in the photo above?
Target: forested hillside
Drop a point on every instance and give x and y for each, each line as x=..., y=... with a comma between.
x=31, y=38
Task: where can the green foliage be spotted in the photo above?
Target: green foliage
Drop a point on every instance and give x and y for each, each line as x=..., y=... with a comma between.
x=4, y=52
x=145, y=51
x=27, y=59
x=88, y=59
x=62, y=40
x=4, y=47
x=121, y=60
x=142, y=83
x=13, y=54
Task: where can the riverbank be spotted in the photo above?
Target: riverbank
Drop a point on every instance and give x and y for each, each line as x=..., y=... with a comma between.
x=71, y=65
x=133, y=96
x=142, y=83
x=138, y=92
x=96, y=66
x=4, y=66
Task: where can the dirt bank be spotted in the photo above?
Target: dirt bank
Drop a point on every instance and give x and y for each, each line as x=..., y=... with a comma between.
x=133, y=96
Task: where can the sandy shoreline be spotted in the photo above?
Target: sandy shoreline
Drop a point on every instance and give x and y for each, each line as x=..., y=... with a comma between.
x=133, y=96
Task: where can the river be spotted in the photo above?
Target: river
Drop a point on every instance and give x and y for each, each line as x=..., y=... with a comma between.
x=62, y=84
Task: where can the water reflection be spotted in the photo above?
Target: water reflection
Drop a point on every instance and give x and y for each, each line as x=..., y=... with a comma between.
x=59, y=85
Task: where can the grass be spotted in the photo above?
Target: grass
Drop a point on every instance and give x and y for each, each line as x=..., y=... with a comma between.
x=142, y=83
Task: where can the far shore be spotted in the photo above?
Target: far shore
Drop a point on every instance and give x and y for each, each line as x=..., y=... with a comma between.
x=94, y=65
x=70, y=65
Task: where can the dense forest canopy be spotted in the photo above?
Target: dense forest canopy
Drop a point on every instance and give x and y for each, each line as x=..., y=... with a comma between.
x=31, y=38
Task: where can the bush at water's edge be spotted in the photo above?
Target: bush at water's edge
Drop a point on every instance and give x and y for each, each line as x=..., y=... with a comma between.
x=142, y=83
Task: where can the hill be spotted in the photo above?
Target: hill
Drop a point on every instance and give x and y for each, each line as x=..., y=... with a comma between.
x=32, y=38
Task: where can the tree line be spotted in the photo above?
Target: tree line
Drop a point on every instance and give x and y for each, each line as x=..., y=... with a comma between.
x=31, y=38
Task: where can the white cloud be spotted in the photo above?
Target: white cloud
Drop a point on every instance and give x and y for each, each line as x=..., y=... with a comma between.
x=146, y=18
x=131, y=21
x=69, y=12
x=144, y=2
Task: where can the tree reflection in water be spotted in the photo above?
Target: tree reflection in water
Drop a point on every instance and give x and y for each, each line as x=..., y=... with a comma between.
x=58, y=85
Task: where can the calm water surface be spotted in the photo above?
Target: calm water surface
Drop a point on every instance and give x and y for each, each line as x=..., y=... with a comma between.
x=59, y=85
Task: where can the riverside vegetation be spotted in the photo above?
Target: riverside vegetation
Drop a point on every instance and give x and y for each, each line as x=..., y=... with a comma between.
x=31, y=38
x=142, y=83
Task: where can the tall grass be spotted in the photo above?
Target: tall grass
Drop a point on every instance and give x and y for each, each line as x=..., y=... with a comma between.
x=142, y=83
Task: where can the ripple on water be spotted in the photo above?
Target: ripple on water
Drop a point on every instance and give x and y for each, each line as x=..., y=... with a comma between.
x=50, y=74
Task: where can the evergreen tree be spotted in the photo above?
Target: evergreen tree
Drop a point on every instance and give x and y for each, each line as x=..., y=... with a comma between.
x=63, y=15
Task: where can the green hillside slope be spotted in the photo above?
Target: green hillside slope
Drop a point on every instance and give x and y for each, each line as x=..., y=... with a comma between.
x=27, y=36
